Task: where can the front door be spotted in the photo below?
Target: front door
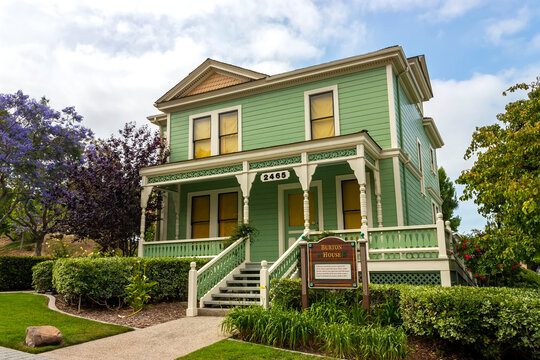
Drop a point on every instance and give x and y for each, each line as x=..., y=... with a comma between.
x=294, y=214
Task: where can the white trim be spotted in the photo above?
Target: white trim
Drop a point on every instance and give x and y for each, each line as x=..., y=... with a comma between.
x=214, y=226
x=432, y=159
x=307, y=112
x=339, y=200
x=435, y=209
x=391, y=105
x=435, y=196
x=164, y=218
x=281, y=209
x=397, y=189
x=420, y=166
x=214, y=129
x=169, y=132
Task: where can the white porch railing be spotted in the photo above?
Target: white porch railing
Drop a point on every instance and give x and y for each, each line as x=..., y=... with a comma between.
x=207, y=247
x=204, y=280
x=284, y=267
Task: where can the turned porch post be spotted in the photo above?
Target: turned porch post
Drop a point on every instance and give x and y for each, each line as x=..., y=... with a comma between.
x=305, y=173
x=145, y=195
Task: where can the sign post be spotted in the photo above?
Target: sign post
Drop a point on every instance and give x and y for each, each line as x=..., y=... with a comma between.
x=304, y=274
x=365, y=274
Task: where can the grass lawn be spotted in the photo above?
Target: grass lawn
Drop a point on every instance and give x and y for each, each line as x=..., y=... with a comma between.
x=229, y=349
x=18, y=311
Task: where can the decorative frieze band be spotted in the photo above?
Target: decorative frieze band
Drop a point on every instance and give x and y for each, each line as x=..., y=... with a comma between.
x=369, y=158
x=331, y=154
x=195, y=174
x=276, y=162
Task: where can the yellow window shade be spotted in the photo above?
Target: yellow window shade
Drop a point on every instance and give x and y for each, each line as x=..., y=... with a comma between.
x=202, y=149
x=296, y=209
x=201, y=128
x=228, y=144
x=228, y=206
x=322, y=106
x=352, y=220
x=228, y=123
x=226, y=228
x=200, y=230
x=351, y=195
x=200, y=209
x=322, y=128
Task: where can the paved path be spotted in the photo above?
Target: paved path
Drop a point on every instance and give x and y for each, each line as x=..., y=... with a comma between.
x=165, y=341
x=10, y=354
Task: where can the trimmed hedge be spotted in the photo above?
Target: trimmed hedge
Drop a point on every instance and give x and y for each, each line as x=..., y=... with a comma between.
x=16, y=272
x=103, y=280
x=42, y=276
x=494, y=322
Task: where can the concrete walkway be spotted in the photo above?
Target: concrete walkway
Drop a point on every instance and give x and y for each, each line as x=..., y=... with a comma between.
x=165, y=341
x=10, y=354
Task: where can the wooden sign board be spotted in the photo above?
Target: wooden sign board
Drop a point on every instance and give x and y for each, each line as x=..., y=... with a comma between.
x=332, y=264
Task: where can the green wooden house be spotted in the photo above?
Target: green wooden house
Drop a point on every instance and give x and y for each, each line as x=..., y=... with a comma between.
x=342, y=147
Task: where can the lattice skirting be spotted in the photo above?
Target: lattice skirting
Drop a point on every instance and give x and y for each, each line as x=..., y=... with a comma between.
x=406, y=277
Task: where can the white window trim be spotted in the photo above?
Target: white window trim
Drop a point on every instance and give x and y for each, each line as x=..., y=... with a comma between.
x=334, y=89
x=432, y=159
x=339, y=200
x=214, y=226
x=420, y=166
x=437, y=208
x=214, y=129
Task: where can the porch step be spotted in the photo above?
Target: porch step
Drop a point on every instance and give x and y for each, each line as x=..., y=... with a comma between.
x=242, y=290
x=236, y=296
x=229, y=303
x=244, y=282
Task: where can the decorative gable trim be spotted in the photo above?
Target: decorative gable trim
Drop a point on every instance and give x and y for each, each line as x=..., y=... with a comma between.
x=205, y=71
x=432, y=132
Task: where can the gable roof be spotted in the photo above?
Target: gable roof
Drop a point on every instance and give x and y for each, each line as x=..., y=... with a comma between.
x=210, y=75
x=203, y=87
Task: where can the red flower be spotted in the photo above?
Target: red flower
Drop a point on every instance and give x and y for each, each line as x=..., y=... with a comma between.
x=457, y=247
x=478, y=250
x=468, y=269
x=482, y=278
x=476, y=275
x=500, y=265
x=467, y=256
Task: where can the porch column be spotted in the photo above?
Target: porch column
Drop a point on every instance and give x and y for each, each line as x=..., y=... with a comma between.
x=176, y=200
x=377, y=178
x=145, y=195
x=246, y=181
x=305, y=173
x=358, y=166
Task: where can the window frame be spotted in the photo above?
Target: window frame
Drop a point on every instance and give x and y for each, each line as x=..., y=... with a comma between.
x=219, y=219
x=307, y=109
x=432, y=159
x=214, y=130
x=194, y=141
x=225, y=135
x=420, y=166
x=214, y=208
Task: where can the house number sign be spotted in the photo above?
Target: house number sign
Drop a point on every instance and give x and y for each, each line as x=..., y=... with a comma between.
x=275, y=175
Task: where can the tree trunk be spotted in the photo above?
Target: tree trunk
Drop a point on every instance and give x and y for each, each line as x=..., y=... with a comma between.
x=39, y=243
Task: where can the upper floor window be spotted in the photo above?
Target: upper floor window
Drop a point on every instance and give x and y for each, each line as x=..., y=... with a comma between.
x=228, y=132
x=321, y=113
x=215, y=132
x=432, y=160
x=421, y=166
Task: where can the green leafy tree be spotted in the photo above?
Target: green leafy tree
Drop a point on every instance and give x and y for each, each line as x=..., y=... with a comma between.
x=505, y=178
x=450, y=202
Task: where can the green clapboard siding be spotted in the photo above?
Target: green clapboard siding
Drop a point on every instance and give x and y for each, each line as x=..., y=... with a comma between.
x=388, y=194
x=277, y=117
x=411, y=121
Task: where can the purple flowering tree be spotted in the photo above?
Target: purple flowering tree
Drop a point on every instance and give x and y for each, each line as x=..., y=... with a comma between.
x=103, y=201
x=38, y=147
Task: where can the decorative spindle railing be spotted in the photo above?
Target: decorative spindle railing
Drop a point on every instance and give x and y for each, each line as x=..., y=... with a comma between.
x=185, y=248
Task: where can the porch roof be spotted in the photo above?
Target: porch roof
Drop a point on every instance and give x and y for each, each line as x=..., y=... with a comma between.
x=328, y=150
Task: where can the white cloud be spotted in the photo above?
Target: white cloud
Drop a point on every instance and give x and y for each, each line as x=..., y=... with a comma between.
x=498, y=30
x=434, y=10
x=458, y=107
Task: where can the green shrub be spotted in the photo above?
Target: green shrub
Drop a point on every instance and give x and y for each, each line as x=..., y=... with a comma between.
x=293, y=329
x=42, y=276
x=526, y=278
x=492, y=321
x=104, y=280
x=16, y=272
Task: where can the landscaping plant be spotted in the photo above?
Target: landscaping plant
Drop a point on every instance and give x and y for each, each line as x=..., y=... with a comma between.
x=137, y=292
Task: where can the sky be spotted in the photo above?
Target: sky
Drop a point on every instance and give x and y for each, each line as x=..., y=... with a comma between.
x=112, y=59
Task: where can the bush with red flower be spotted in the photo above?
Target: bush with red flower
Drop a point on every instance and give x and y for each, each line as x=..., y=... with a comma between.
x=493, y=261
